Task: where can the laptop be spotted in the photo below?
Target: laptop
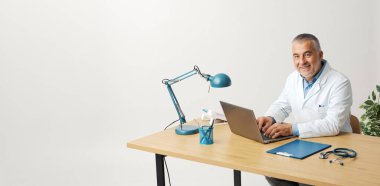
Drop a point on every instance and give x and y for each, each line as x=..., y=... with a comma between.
x=243, y=122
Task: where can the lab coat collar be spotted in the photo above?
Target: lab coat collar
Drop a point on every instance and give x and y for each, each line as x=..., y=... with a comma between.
x=323, y=78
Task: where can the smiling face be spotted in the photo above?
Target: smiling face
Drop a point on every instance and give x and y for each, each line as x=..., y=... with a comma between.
x=307, y=58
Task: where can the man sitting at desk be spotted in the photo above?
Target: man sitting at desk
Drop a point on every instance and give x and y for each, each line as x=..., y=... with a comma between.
x=319, y=97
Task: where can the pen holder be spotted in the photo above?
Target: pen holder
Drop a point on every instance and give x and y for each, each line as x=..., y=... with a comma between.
x=206, y=135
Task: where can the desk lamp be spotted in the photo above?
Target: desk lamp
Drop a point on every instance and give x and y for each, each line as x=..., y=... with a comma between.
x=218, y=81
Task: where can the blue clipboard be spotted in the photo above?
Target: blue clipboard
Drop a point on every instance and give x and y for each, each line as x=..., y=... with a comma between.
x=299, y=149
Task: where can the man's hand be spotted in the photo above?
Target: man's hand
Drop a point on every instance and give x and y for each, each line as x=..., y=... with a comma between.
x=279, y=129
x=264, y=122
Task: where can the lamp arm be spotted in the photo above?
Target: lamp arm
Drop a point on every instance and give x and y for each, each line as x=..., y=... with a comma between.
x=180, y=113
x=196, y=70
x=169, y=82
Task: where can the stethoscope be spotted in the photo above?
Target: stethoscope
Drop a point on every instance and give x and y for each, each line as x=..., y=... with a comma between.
x=343, y=153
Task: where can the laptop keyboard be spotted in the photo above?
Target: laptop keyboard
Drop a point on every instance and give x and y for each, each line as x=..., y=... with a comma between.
x=265, y=137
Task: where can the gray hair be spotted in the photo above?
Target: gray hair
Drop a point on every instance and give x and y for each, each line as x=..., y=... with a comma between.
x=311, y=37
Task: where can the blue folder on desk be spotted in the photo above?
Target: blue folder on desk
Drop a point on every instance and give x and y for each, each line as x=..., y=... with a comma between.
x=299, y=149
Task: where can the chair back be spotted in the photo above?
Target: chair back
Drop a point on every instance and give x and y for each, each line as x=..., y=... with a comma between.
x=355, y=124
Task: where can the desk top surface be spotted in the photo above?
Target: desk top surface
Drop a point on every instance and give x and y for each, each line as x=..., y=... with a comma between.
x=235, y=152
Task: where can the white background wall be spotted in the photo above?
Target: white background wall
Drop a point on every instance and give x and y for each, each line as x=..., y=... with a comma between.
x=79, y=79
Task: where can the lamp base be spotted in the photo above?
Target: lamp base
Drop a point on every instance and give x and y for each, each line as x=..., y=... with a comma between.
x=186, y=130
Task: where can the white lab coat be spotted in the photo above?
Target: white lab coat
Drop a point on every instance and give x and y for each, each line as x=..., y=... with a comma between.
x=323, y=112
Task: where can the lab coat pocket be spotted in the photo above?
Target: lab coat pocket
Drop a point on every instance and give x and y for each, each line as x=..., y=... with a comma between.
x=322, y=111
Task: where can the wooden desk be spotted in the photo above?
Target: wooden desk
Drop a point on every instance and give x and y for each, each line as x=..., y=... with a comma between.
x=241, y=154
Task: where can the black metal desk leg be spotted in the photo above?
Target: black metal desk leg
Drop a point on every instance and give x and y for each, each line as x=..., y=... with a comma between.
x=237, y=178
x=160, y=170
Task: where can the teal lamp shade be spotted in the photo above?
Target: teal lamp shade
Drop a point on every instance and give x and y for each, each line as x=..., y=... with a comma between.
x=220, y=80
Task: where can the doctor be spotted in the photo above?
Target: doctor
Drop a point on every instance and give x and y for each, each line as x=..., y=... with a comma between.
x=318, y=96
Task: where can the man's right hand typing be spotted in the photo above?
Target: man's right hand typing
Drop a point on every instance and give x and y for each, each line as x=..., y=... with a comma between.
x=264, y=122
